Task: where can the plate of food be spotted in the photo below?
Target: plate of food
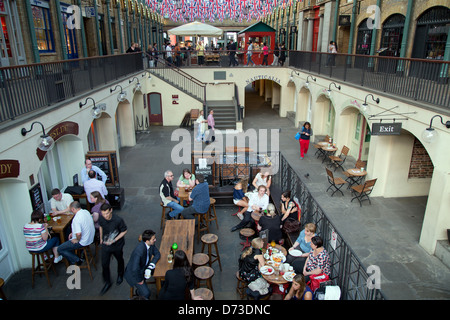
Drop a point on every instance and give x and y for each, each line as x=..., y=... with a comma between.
x=278, y=258
x=289, y=276
x=267, y=270
x=295, y=253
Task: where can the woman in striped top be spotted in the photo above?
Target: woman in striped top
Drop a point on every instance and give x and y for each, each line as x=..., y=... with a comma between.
x=37, y=237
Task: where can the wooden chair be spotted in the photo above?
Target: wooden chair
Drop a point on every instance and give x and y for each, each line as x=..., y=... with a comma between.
x=362, y=191
x=338, y=161
x=335, y=183
x=41, y=266
x=241, y=286
x=319, y=150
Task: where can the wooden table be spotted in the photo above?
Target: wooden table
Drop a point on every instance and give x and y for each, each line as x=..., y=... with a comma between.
x=356, y=176
x=184, y=195
x=273, y=278
x=60, y=227
x=180, y=231
x=327, y=151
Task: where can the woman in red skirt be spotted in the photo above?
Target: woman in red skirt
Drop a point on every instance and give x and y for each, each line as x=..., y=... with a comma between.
x=305, y=135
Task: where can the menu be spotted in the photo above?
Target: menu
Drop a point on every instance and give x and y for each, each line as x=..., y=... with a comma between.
x=37, y=201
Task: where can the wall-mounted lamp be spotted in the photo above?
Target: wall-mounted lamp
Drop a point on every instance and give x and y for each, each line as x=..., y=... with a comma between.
x=149, y=75
x=45, y=142
x=122, y=95
x=307, y=82
x=291, y=78
x=365, y=105
x=96, y=111
x=329, y=87
x=138, y=86
x=85, y=102
x=429, y=134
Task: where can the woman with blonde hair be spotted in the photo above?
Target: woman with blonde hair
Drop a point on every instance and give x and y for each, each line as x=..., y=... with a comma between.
x=251, y=260
x=272, y=222
x=299, y=290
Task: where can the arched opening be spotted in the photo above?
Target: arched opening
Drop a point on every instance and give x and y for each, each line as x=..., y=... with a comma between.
x=323, y=117
x=354, y=132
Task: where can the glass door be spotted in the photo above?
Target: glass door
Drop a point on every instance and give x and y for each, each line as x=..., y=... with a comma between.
x=5, y=46
x=71, y=39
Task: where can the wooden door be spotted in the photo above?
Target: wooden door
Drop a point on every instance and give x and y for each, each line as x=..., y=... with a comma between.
x=154, y=108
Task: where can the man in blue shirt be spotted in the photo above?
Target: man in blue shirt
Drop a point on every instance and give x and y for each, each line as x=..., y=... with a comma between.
x=199, y=198
x=88, y=167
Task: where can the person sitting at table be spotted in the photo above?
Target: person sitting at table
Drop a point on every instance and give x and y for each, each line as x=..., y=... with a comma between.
x=37, y=237
x=272, y=222
x=94, y=185
x=168, y=197
x=176, y=280
x=145, y=254
x=288, y=207
x=262, y=178
x=60, y=202
x=257, y=203
x=251, y=261
x=200, y=198
x=83, y=232
x=240, y=199
x=299, y=289
x=186, y=180
x=303, y=242
x=318, y=260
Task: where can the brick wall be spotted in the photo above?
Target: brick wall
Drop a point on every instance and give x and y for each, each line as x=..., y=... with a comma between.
x=420, y=165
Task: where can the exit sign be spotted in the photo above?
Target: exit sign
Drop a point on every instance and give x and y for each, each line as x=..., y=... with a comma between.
x=386, y=129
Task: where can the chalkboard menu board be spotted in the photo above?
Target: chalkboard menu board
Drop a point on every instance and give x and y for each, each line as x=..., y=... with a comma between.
x=107, y=162
x=207, y=172
x=37, y=201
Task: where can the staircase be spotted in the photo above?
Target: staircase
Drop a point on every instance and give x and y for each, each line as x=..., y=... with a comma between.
x=225, y=115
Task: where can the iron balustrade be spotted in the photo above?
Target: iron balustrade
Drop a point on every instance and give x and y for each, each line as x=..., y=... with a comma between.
x=347, y=271
x=416, y=79
x=27, y=88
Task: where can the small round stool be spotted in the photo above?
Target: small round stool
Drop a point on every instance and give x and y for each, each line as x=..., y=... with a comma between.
x=88, y=259
x=199, y=259
x=163, y=215
x=209, y=240
x=205, y=293
x=247, y=232
x=212, y=212
x=241, y=285
x=204, y=274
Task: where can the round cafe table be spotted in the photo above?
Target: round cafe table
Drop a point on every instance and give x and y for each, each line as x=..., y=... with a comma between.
x=327, y=151
x=355, y=175
x=275, y=278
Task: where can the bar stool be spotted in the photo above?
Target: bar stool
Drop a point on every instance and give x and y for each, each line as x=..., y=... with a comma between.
x=133, y=291
x=163, y=215
x=199, y=259
x=211, y=239
x=212, y=216
x=40, y=266
x=241, y=286
x=88, y=259
x=2, y=294
x=202, y=223
x=205, y=293
x=246, y=232
x=204, y=275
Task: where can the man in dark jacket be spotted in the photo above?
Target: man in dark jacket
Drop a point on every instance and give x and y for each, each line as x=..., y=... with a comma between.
x=145, y=254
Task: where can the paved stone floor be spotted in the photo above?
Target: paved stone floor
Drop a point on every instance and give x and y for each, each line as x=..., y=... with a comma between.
x=385, y=233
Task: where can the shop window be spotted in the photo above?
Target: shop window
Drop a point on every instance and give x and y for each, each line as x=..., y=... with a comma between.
x=43, y=29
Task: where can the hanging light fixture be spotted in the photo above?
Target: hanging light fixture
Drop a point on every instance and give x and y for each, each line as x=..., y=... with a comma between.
x=45, y=142
x=365, y=105
x=307, y=82
x=96, y=111
x=329, y=88
x=138, y=86
x=122, y=95
x=429, y=134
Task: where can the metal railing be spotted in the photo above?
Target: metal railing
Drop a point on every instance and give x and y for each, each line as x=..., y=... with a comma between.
x=417, y=79
x=27, y=88
x=347, y=271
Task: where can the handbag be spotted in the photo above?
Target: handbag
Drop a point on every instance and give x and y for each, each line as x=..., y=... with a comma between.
x=316, y=279
x=291, y=225
x=297, y=136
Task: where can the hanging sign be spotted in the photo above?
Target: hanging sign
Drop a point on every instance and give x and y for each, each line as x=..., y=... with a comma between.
x=386, y=129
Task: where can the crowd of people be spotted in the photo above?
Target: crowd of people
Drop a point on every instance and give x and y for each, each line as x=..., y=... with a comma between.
x=102, y=226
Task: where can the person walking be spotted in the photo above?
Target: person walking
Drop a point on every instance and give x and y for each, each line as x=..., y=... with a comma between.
x=305, y=136
x=211, y=125
x=112, y=231
x=265, y=54
x=250, y=53
x=276, y=53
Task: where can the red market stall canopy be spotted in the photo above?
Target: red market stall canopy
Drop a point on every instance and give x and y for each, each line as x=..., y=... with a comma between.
x=259, y=33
